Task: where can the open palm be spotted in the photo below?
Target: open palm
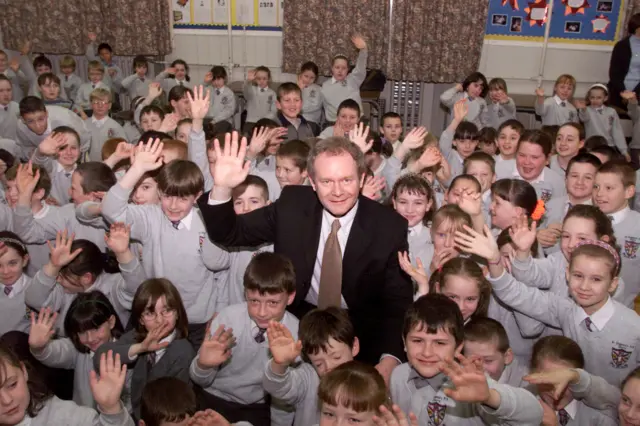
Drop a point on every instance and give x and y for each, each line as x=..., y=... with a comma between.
x=216, y=349
x=42, y=329
x=283, y=347
x=231, y=168
x=523, y=236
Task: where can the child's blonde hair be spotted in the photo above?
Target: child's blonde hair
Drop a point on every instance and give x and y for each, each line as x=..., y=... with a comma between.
x=95, y=65
x=566, y=79
x=451, y=213
x=99, y=94
x=354, y=385
x=498, y=84
x=68, y=62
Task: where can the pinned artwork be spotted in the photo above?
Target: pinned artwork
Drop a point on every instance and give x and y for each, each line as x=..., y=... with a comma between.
x=512, y=3
x=573, y=7
x=600, y=24
x=537, y=12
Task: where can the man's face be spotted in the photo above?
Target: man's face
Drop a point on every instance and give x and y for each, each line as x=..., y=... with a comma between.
x=337, y=182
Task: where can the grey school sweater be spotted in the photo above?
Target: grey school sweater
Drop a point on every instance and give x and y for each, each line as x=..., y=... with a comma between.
x=169, y=83
x=517, y=406
x=334, y=92
x=513, y=373
x=498, y=113
x=192, y=272
x=136, y=86
x=114, y=83
x=197, y=149
x=223, y=104
x=456, y=162
x=58, y=412
x=611, y=353
x=605, y=122
x=555, y=112
x=548, y=185
x=20, y=78
x=627, y=232
x=70, y=84
x=298, y=387
x=9, y=116
x=478, y=112
x=14, y=313
x=312, y=103
x=261, y=102
x=101, y=130
x=60, y=178
x=240, y=378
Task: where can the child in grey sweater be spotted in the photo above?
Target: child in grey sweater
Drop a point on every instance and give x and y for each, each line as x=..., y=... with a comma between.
x=473, y=90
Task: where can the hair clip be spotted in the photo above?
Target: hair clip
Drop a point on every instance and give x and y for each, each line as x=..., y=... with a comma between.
x=603, y=245
x=14, y=241
x=539, y=211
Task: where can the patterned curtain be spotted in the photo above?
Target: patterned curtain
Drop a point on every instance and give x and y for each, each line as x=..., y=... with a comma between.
x=140, y=27
x=436, y=41
x=317, y=30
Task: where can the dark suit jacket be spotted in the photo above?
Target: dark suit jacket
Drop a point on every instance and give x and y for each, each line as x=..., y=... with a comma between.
x=618, y=69
x=375, y=289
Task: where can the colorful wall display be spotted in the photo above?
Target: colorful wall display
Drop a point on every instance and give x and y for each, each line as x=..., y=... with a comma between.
x=263, y=15
x=572, y=21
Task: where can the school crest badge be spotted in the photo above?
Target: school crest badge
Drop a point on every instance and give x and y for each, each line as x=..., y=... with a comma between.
x=344, y=83
x=27, y=313
x=500, y=113
x=619, y=357
x=545, y=195
x=312, y=94
x=630, y=247
x=111, y=133
x=611, y=120
x=572, y=116
x=224, y=100
x=201, y=238
x=436, y=413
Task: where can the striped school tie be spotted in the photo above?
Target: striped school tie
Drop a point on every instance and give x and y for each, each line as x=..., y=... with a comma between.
x=259, y=337
x=176, y=224
x=563, y=417
x=7, y=290
x=589, y=324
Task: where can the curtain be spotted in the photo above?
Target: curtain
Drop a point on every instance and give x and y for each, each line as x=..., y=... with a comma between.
x=317, y=30
x=140, y=27
x=436, y=41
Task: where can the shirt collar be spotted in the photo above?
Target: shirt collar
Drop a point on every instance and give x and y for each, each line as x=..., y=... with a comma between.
x=435, y=382
x=345, y=221
x=417, y=229
x=99, y=122
x=619, y=216
x=600, y=317
x=170, y=338
x=558, y=100
x=186, y=221
x=220, y=90
x=43, y=211
x=516, y=174
x=572, y=409
x=60, y=168
x=486, y=196
x=17, y=287
x=377, y=171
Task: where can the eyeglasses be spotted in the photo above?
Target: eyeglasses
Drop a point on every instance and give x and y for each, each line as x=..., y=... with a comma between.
x=165, y=313
x=100, y=103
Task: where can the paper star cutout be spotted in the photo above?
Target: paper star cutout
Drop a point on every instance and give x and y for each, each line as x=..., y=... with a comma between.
x=600, y=24
x=512, y=3
x=537, y=12
x=575, y=6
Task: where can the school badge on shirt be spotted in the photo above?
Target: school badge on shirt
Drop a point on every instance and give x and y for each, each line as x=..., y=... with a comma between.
x=111, y=133
x=630, y=247
x=620, y=355
x=436, y=413
x=201, y=237
x=270, y=101
x=224, y=100
x=312, y=94
x=545, y=195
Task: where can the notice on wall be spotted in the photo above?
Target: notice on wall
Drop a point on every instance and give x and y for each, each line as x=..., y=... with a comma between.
x=265, y=15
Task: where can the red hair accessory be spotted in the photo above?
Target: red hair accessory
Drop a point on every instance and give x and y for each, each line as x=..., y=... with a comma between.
x=440, y=269
x=539, y=211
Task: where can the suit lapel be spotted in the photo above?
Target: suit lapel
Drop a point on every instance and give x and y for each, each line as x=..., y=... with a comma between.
x=359, y=240
x=311, y=234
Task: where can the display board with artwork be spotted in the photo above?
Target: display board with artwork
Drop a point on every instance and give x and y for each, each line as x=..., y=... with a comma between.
x=572, y=21
x=265, y=15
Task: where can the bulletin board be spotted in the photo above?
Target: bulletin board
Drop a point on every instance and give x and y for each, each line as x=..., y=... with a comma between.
x=261, y=15
x=572, y=21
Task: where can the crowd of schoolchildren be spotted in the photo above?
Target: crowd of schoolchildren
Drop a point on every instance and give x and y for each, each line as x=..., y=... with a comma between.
x=523, y=251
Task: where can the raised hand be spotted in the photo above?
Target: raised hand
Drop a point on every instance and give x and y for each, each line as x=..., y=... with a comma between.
x=430, y=157
x=358, y=42
x=394, y=418
x=26, y=180
x=540, y=92
x=460, y=109
x=259, y=141
x=26, y=48
x=60, y=251
x=170, y=70
x=559, y=379
x=415, y=138
x=283, y=347
x=548, y=237
x=579, y=103
x=147, y=156
x=459, y=87
x=469, y=380
x=442, y=257
x=123, y=151
x=216, y=348
x=523, y=236
x=207, y=418
x=42, y=328
x=200, y=102
x=230, y=169
x=169, y=123
x=152, y=342
x=629, y=95
x=338, y=130
x=52, y=143
x=14, y=64
x=118, y=237
x=549, y=415
x=208, y=78
x=155, y=90
x=417, y=273
x=251, y=75
x=373, y=186
x=358, y=135
x=112, y=72
x=471, y=203
x=473, y=242
x=106, y=388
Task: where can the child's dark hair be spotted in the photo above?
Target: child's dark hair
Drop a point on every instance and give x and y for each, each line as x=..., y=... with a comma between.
x=251, y=180
x=153, y=135
x=473, y=78
x=462, y=266
x=286, y=88
x=584, y=158
x=262, y=68
x=218, y=72
x=297, y=151
x=416, y=185
x=389, y=114
x=40, y=61
x=31, y=104
x=349, y=104
x=488, y=135
x=178, y=92
x=466, y=130
x=266, y=122
x=167, y=399
x=517, y=192
x=504, y=238
x=433, y=312
x=556, y=348
x=354, y=385
x=104, y=46
x=66, y=130
x=487, y=330
x=48, y=76
x=153, y=109
x=140, y=61
x=623, y=170
x=480, y=156
x=514, y=124
x=145, y=300
x=38, y=391
x=610, y=152
x=551, y=130
x=537, y=137
x=579, y=127
x=89, y=311
x=96, y=176
x=7, y=158
x=186, y=68
x=468, y=178
x=180, y=178
x=13, y=241
x=310, y=66
x=601, y=223
x=343, y=57
x=320, y=325
x=270, y=273
x=44, y=181
x=595, y=141
x=90, y=261
x=379, y=146
x=498, y=83
x=4, y=77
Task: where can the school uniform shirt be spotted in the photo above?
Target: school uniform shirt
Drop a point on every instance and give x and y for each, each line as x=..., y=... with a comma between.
x=192, y=272
x=171, y=361
x=266, y=169
x=9, y=117
x=498, y=113
x=84, y=93
x=626, y=228
x=28, y=141
x=197, y=152
x=604, y=121
x=426, y=399
x=334, y=92
x=513, y=373
x=554, y=165
x=456, y=162
x=548, y=184
x=636, y=199
x=34, y=90
x=14, y=313
x=297, y=387
x=261, y=102
x=611, y=347
x=420, y=246
x=312, y=103
x=299, y=128
x=556, y=112
x=223, y=104
x=60, y=177
x=58, y=412
x=577, y=413
x=101, y=130
x=18, y=79
x=239, y=379
x=478, y=112
x=169, y=83
x=113, y=83
x=597, y=393
x=70, y=84
x=132, y=132
x=134, y=85
x=555, y=211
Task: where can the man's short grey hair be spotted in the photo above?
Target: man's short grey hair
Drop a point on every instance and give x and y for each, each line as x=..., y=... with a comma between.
x=333, y=146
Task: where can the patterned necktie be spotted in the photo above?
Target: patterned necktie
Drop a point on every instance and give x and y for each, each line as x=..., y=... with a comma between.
x=610, y=217
x=181, y=83
x=68, y=175
x=563, y=417
x=259, y=337
x=93, y=86
x=151, y=360
x=7, y=290
x=142, y=79
x=262, y=90
x=563, y=104
x=218, y=92
x=6, y=108
x=601, y=111
x=589, y=324
x=176, y=224
x=66, y=78
x=330, y=290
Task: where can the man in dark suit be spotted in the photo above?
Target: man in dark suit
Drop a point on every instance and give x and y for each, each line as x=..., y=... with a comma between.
x=329, y=231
